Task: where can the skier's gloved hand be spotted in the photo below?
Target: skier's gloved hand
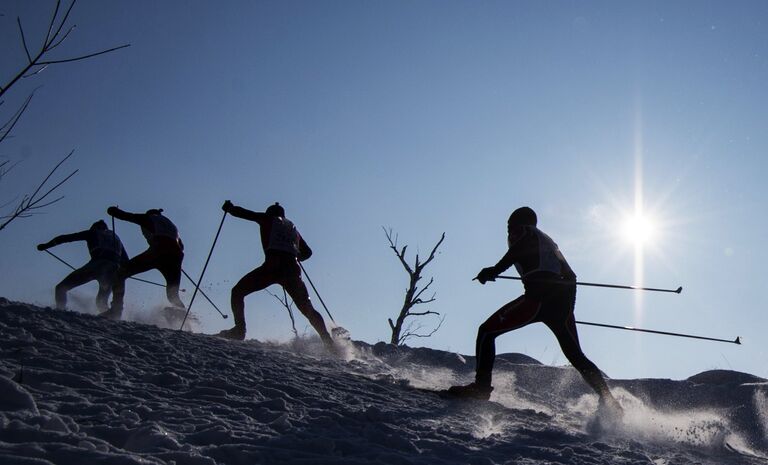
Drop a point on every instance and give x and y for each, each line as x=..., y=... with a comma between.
x=42, y=247
x=227, y=206
x=486, y=274
x=111, y=211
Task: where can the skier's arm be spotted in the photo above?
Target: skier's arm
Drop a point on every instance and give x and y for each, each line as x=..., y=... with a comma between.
x=136, y=218
x=304, y=251
x=243, y=213
x=506, y=261
x=64, y=238
x=123, y=255
x=509, y=259
x=490, y=273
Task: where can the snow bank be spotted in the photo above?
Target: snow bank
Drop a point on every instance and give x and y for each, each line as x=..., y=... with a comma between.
x=77, y=389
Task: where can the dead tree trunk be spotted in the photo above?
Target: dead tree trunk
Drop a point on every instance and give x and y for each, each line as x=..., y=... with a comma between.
x=402, y=331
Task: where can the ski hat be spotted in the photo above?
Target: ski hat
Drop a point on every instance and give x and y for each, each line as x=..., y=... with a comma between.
x=154, y=211
x=523, y=216
x=99, y=225
x=275, y=210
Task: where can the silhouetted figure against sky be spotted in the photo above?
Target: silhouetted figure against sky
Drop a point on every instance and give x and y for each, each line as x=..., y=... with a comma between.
x=165, y=254
x=283, y=249
x=550, y=297
x=107, y=253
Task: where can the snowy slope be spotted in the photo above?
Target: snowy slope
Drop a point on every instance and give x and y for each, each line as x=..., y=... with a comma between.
x=100, y=392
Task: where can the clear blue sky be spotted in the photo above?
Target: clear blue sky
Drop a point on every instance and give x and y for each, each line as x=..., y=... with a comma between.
x=424, y=117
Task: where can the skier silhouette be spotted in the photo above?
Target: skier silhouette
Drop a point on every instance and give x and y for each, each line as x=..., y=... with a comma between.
x=550, y=297
x=107, y=253
x=165, y=254
x=283, y=249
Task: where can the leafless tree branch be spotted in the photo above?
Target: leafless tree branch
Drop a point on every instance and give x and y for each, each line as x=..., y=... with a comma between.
x=428, y=312
x=409, y=332
x=24, y=40
x=417, y=297
x=7, y=127
x=36, y=61
x=285, y=303
x=400, y=253
x=31, y=204
x=53, y=38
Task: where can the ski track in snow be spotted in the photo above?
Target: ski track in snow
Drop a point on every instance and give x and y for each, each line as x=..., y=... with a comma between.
x=77, y=389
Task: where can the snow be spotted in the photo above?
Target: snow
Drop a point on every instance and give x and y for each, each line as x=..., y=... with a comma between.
x=75, y=388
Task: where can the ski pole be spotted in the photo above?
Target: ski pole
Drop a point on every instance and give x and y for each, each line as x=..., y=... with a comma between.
x=613, y=286
x=203, y=293
x=202, y=273
x=73, y=268
x=317, y=293
x=665, y=333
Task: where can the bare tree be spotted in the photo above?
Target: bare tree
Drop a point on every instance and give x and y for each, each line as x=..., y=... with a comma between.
x=37, y=60
x=413, y=295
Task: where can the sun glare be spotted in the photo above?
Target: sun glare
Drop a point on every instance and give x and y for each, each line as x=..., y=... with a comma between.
x=638, y=229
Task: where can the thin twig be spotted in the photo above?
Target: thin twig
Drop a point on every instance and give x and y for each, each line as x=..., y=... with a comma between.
x=53, y=21
x=284, y=302
x=61, y=25
x=29, y=204
x=23, y=40
x=83, y=57
x=11, y=123
x=53, y=38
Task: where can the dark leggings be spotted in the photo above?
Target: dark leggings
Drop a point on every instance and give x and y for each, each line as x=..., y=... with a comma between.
x=555, y=309
x=283, y=270
x=168, y=263
x=103, y=271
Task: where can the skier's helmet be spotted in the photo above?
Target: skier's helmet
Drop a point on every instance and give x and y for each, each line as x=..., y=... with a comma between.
x=275, y=210
x=523, y=216
x=99, y=226
x=154, y=211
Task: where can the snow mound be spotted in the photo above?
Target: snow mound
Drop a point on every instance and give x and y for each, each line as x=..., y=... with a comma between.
x=76, y=389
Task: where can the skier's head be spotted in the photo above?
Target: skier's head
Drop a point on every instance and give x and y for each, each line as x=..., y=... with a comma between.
x=523, y=216
x=99, y=226
x=276, y=211
x=154, y=211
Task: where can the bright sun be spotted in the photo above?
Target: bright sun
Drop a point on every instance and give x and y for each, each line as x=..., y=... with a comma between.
x=638, y=229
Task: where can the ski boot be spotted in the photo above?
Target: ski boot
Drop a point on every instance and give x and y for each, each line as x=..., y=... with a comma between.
x=114, y=313
x=235, y=333
x=470, y=391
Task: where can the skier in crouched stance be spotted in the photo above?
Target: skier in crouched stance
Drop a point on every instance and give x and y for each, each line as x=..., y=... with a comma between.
x=165, y=254
x=107, y=253
x=550, y=296
x=283, y=249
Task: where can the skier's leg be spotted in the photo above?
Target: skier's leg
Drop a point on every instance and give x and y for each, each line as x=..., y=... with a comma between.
x=562, y=322
x=106, y=278
x=295, y=287
x=516, y=314
x=74, y=279
x=145, y=261
x=256, y=280
x=170, y=267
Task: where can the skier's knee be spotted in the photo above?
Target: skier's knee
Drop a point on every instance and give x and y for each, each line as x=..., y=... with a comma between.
x=483, y=333
x=237, y=294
